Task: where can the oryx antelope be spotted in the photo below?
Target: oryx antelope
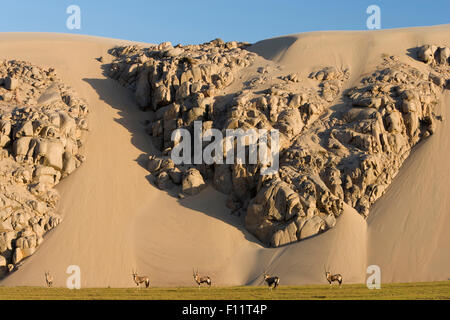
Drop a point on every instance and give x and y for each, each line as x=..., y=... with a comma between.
x=333, y=277
x=272, y=281
x=140, y=279
x=48, y=279
x=201, y=279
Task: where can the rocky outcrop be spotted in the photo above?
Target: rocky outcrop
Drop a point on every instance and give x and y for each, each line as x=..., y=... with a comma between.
x=328, y=156
x=434, y=55
x=42, y=129
x=178, y=83
x=351, y=154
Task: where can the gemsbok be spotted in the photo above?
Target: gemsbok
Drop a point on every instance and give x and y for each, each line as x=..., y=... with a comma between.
x=333, y=277
x=201, y=279
x=272, y=281
x=48, y=279
x=140, y=280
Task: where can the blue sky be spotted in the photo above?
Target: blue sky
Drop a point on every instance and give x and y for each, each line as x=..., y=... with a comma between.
x=198, y=21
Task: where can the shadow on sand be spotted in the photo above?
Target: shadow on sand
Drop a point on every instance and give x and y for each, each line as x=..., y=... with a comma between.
x=134, y=120
x=276, y=48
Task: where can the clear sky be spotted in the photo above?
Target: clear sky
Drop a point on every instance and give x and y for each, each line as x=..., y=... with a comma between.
x=198, y=21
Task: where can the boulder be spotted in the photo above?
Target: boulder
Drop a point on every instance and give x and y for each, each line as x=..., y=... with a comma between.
x=312, y=226
x=161, y=96
x=285, y=236
x=290, y=122
x=25, y=130
x=143, y=90
x=11, y=83
x=154, y=164
x=242, y=181
x=51, y=95
x=183, y=91
x=192, y=182
x=50, y=153
x=176, y=175
x=21, y=147
x=426, y=53
x=442, y=56
x=222, y=178
x=275, y=204
x=173, y=52
x=163, y=181
x=17, y=256
x=330, y=221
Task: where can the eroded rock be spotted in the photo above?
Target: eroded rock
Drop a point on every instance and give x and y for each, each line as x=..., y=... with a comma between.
x=42, y=130
x=328, y=156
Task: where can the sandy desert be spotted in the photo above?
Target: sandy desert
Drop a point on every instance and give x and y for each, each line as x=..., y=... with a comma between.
x=119, y=210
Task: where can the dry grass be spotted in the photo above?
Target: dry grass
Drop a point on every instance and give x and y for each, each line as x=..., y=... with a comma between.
x=402, y=291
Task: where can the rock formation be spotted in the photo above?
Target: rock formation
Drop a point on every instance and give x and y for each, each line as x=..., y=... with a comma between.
x=42, y=129
x=336, y=146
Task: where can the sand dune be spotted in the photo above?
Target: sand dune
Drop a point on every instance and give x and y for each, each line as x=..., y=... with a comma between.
x=115, y=220
x=411, y=221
